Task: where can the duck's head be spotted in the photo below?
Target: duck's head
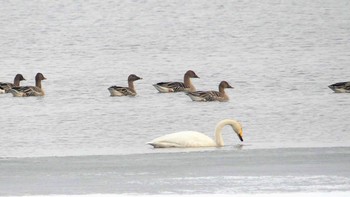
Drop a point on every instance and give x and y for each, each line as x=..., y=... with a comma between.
x=39, y=77
x=19, y=77
x=224, y=84
x=191, y=74
x=133, y=77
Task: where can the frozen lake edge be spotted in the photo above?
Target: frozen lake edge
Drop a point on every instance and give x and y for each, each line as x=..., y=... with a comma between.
x=221, y=171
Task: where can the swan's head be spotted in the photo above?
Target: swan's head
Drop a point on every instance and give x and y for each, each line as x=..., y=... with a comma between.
x=237, y=127
x=39, y=76
x=191, y=74
x=133, y=77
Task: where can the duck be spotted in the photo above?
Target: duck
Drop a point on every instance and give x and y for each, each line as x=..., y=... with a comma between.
x=186, y=86
x=341, y=87
x=192, y=139
x=125, y=91
x=5, y=87
x=211, y=95
x=25, y=91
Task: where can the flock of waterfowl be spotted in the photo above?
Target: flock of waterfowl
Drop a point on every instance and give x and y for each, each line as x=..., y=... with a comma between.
x=23, y=91
x=179, y=139
x=166, y=87
x=163, y=87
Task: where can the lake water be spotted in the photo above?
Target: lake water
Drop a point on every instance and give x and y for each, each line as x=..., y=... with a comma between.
x=280, y=56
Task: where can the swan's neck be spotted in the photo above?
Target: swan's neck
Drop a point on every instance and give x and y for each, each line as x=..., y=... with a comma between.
x=218, y=134
x=218, y=130
x=38, y=83
x=131, y=86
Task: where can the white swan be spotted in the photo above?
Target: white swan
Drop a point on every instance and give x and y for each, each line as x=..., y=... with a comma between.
x=185, y=139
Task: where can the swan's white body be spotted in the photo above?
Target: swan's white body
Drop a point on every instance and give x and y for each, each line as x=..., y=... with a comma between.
x=185, y=139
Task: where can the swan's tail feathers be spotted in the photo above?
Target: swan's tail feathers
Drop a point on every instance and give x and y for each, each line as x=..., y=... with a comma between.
x=162, y=145
x=155, y=145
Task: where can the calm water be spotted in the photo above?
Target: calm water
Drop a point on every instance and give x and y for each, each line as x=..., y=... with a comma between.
x=279, y=55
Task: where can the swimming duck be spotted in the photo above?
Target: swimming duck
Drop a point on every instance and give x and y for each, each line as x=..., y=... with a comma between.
x=186, y=86
x=24, y=91
x=186, y=139
x=211, y=95
x=7, y=86
x=125, y=91
x=341, y=87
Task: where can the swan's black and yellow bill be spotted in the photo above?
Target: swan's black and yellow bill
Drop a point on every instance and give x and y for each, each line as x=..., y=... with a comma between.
x=240, y=135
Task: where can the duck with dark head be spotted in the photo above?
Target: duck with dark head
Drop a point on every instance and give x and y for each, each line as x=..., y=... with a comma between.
x=16, y=83
x=24, y=91
x=186, y=86
x=125, y=91
x=211, y=95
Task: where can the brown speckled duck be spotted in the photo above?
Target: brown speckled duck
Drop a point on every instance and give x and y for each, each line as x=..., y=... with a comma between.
x=186, y=86
x=5, y=87
x=211, y=95
x=341, y=87
x=24, y=91
x=125, y=91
